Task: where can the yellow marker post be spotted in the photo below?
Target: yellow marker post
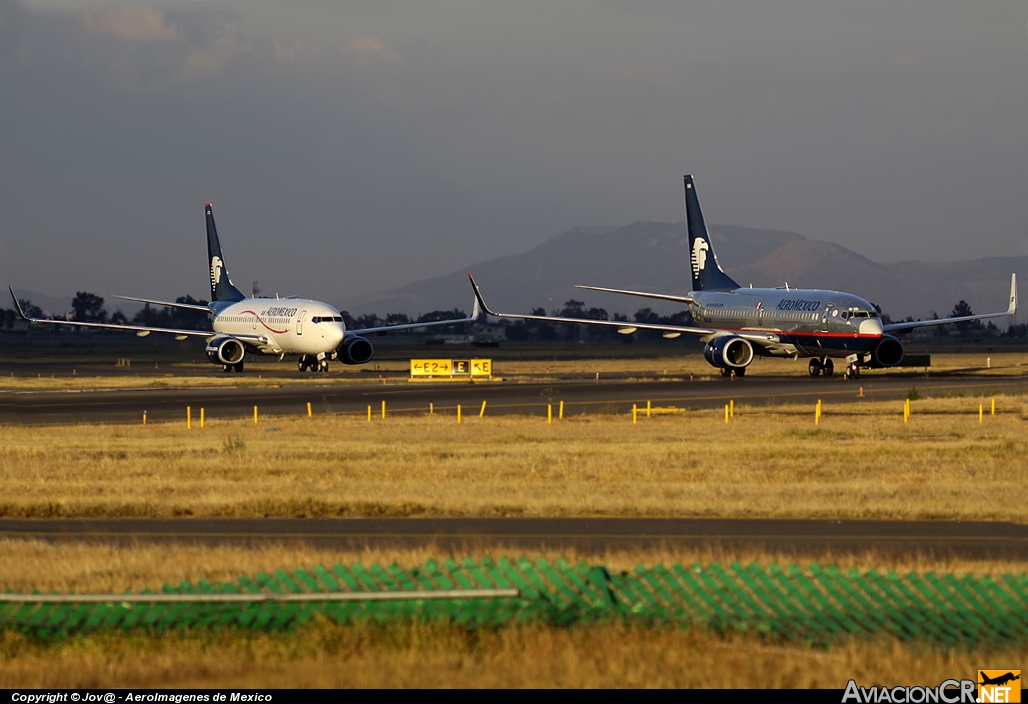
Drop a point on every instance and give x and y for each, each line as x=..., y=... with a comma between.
x=189, y=417
x=255, y=414
x=560, y=414
x=201, y=417
x=369, y=413
x=647, y=409
x=458, y=414
x=431, y=408
x=726, y=414
x=383, y=410
x=635, y=414
x=993, y=407
x=817, y=412
x=310, y=411
x=906, y=410
x=481, y=413
x=981, y=413
x=549, y=413
x=731, y=407
x=144, y=417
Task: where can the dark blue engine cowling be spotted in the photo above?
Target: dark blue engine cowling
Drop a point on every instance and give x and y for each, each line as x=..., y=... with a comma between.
x=355, y=350
x=225, y=350
x=887, y=353
x=729, y=352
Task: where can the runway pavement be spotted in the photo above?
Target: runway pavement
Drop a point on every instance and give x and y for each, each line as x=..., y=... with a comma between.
x=401, y=396
x=929, y=538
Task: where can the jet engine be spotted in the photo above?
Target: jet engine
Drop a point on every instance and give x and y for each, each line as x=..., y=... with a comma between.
x=888, y=352
x=355, y=350
x=225, y=350
x=729, y=352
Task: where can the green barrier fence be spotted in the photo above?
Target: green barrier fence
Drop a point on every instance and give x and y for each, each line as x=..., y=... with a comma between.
x=815, y=604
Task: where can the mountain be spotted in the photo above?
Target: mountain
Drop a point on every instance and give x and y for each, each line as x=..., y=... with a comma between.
x=654, y=256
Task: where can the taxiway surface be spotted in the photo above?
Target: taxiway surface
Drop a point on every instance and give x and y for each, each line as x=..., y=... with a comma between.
x=529, y=398
x=977, y=540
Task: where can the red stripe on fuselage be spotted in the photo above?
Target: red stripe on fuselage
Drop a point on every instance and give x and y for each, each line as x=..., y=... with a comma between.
x=799, y=332
x=277, y=332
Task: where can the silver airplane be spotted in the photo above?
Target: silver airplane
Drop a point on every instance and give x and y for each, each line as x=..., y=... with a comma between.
x=739, y=324
x=272, y=326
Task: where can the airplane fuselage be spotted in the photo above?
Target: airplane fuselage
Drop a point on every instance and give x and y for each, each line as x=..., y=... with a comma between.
x=796, y=322
x=289, y=325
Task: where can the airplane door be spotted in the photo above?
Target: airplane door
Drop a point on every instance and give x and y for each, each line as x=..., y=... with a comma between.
x=824, y=317
x=299, y=322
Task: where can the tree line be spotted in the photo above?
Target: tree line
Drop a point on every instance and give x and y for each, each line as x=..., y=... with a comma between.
x=90, y=308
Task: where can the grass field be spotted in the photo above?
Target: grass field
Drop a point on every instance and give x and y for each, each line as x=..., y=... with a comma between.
x=861, y=461
x=435, y=653
x=439, y=655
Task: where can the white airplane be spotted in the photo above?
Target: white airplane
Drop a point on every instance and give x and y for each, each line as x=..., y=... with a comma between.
x=271, y=326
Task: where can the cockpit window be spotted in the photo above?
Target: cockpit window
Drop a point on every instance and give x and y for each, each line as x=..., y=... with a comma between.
x=327, y=319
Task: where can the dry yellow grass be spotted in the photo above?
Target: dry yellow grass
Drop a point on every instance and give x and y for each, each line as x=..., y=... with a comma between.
x=107, y=568
x=862, y=461
x=434, y=654
x=437, y=655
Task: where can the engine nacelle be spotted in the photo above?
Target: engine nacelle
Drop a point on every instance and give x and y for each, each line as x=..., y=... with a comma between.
x=888, y=353
x=355, y=350
x=729, y=352
x=225, y=350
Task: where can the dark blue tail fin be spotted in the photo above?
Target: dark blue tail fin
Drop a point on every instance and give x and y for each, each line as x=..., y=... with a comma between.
x=221, y=285
x=706, y=274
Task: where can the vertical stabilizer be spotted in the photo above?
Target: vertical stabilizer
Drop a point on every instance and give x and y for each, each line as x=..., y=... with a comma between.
x=221, y=285
x=706, y=273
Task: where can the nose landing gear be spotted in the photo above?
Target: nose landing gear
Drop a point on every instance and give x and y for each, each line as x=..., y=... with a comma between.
x=729, y=372
x=312, y=364
x=852, y=371
x=238, y=366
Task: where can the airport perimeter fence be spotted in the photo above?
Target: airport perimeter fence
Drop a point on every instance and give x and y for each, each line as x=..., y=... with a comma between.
x=814, y=604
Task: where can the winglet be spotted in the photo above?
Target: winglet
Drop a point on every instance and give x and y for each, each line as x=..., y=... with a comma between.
x=1013, y=295
x=17, y=305
x=479, y=301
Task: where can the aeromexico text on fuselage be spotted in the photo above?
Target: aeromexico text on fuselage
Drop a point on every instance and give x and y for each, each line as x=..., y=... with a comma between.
x=301, y=326
x=819, y=322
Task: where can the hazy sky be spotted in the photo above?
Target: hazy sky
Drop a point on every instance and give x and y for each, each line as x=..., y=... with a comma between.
x=350, y=147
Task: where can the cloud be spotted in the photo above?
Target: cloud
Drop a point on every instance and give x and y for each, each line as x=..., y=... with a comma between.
x=132, y=24
x=208, y=60
x=370, y=49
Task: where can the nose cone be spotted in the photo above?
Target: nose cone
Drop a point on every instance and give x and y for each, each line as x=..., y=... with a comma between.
x=871, y=326
x=334, y=334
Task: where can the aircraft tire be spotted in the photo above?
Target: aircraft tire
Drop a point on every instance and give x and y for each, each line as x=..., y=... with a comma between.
x=239, y=367
x=828, y=367
x=228, y=368
x=814, y=368
x=726, y=372
x=741, y=371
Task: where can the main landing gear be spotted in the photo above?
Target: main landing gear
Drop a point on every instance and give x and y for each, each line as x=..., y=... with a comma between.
x=821, y=366
x=238, y=366
x=730, y=372
x=312, y=364
x=852, y=371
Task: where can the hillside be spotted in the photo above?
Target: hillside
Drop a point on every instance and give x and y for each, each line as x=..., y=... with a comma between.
x=654, y=256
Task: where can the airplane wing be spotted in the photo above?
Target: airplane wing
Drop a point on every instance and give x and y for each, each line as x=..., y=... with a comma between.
x=145, y=330
x=1011, y=309
x=661, y=296
x=475, y=313
x=189, y=306
x=624, y=327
